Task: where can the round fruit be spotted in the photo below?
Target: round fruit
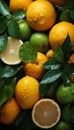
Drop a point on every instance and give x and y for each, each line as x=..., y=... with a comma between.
x=35, y=68
x=27, y=92
x=65, y=94
x=9, y=111
x=41, y=15
x=50, y=53
x=59, y=32
x=10, y=55
x=40, y=41
x=15, y=5
x=25, y=30
x=46, y=113
x=57, y=2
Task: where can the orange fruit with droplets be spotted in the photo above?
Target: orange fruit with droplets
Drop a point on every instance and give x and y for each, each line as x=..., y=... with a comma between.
x=35, y=68
x=59, y=32
x=41, y=15
x=9, y=111
x=46, y=113
x=15, y=5
x=27, y=92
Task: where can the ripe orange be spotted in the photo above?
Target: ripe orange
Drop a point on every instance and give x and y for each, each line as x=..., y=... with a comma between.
x=9, y=111
x=46, y=113
x=27, y=92
x=59, y=32
x=57, y=2
x=50, y=53
x=41, y=15
x=19, y=4
x=35, y=68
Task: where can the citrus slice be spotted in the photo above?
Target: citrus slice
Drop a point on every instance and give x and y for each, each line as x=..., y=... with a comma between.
x=46, y=113
x=10, y=55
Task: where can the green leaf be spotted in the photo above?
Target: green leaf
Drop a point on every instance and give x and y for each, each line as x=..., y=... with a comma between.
x=72, y=13
x=67, y=47
x=66, y=79
x=69, y=69
x=27, y=52
x=58, y=53
x=52, y=64
x=69, y=4
x=10, y=71
x=3, y=24
x=19, y=14
x=3, y=42
x=4, y=10
x=51, y=76
x=7, y=91
x=13, y=29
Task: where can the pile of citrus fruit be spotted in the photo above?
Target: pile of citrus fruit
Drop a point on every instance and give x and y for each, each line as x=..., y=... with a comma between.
x=37, y=64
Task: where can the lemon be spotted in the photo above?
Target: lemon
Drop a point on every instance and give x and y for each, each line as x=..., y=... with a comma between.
x=10, y=55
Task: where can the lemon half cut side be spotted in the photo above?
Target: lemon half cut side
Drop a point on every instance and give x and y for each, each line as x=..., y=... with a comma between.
x=10, y=55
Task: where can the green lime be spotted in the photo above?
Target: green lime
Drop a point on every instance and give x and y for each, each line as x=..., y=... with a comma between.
x=63, y=126
x=40, y=41
x=25, y=30
x=65, y=94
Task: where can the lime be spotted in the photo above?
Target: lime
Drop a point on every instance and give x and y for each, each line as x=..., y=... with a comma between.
x=65, y=94
x=40, y=41
x=25, y=30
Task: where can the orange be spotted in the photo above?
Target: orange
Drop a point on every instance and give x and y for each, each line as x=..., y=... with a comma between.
x=27, y=92
x=50, y=53
x=9, y=111
x=15, y=5
x=71, y=58
x=46, y=113
x=35, y=68
x=59, y=32
x=57, y=2
x=41, y=15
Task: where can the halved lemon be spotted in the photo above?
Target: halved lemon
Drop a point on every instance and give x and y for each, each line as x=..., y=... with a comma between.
x=10, y=55
x=46, y=113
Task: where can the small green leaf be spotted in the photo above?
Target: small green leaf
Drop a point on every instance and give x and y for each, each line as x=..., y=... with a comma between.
x=3, y=42
x=67, y=47
x=3, y=24
x=13, y=29
x=4, y=10
x=66, y=79
x=58, y=53
x=72, y=13
x=9, y=71
x=7, y=91
x=19, y=14
x=52, y=64
x=69, y=69
x=27, y=52
x=51, y=76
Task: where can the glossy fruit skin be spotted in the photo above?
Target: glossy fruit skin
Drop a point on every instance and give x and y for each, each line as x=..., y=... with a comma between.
x=40, y=41
x=41, y=15
x=27, y=92
x=65, y=94
x=25, y=30
x=59, y=32
x=9, y=111
x=35, y=68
